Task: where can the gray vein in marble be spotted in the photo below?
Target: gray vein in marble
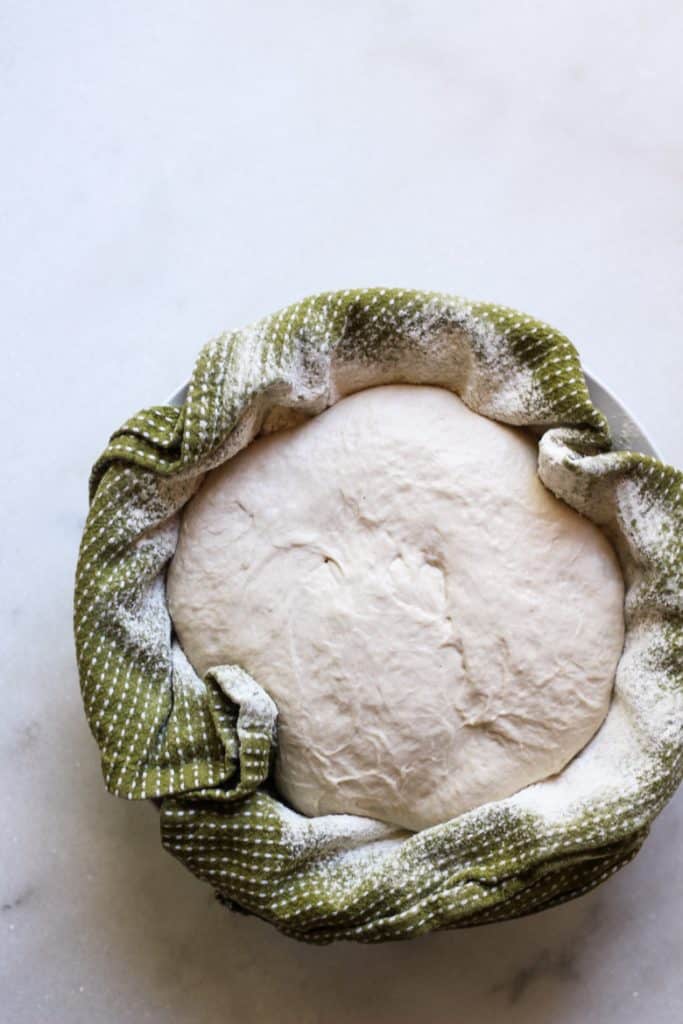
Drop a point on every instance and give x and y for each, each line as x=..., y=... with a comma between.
x=19, y=900
x=553, y=965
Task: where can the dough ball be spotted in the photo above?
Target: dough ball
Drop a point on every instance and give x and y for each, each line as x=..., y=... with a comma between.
x=436, y=628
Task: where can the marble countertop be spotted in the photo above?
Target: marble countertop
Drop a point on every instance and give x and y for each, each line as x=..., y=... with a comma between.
x=172, y=169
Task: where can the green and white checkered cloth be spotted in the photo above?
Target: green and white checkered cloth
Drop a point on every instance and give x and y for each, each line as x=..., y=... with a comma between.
x=204, y=748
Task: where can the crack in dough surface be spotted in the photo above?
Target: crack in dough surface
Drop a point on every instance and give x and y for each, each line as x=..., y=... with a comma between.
x=436, y=629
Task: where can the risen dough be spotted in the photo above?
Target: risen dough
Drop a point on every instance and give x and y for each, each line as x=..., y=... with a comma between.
x=436, y=629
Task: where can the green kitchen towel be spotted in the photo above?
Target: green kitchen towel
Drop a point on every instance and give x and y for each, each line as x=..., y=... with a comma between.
x=204, y=748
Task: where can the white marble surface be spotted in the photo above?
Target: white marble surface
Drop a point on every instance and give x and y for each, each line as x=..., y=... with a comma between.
x=172, y=168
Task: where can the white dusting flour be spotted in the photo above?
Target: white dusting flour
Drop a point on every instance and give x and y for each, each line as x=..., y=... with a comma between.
x=437, y=630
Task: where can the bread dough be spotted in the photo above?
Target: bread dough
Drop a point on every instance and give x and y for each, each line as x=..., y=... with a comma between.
x=436, y=629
